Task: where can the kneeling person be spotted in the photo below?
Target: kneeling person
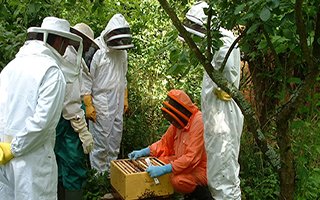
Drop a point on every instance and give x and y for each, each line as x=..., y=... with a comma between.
x=181, y=148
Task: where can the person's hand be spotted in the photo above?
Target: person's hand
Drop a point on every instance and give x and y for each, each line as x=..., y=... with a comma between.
x=5, y=153
x=139, y=153
x=87, y=141
x=91, y=113
x=155, y=171
x=222, y=95
x=90, y=110
x=79, y=125
x=125, y=107
x=126, y=103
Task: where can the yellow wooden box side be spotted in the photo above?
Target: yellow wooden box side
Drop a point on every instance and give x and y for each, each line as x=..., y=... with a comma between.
x=117, y=178
x=138, y=185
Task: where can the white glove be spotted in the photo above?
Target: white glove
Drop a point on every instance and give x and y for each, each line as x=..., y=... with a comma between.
x=79, y=125
x=87, y=141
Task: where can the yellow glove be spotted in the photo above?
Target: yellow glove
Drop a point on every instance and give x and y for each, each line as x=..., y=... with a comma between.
x=90, y=110
x=222, y=95
x=5, y=153
x=126, y=104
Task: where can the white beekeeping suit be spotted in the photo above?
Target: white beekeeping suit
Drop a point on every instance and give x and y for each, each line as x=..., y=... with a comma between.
x=223, y=119
x=32, y=89
x=108, y=72
x=72, y=104
x=73, y=140
x=32, y=139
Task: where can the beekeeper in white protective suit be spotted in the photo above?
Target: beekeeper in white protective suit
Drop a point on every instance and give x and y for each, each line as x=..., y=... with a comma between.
x=73, y=140
x=32, y=89
x=105, y=97
x=223, y=120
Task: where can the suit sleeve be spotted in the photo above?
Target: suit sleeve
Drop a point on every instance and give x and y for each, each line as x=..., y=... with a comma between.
x=163, y=148
x=41, y=125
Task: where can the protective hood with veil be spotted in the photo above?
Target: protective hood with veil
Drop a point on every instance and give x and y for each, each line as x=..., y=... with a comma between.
x=71, y=71
x=117, y=34
x=178, y=108
x=183, y=147
x=196, y=19
x=89, y=45
x=106, y=91
x=223, y=119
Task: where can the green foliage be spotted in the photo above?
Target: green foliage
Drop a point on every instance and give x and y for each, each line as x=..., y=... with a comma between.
x=15, y=18
x=97, y=185
x=307, y=150
x=10, y=41
x=258, y=179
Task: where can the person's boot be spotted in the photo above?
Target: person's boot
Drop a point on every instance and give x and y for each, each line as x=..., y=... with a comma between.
x=61, y=191
x=200, y=193
x=188, y=197
x=73, y=195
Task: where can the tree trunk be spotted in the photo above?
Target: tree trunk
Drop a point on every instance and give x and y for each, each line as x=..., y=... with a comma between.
x=263, y=86
x=287, y=171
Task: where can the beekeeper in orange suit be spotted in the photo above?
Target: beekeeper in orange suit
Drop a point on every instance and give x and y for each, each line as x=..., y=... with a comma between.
x=181, y=147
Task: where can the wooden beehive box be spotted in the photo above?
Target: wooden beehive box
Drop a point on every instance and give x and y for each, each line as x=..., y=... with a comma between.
x=130, y=180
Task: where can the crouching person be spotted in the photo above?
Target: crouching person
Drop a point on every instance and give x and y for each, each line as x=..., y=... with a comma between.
x=181, y=148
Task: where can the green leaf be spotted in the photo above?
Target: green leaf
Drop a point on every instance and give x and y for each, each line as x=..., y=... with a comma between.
x=294, y=80
x=239, y=8
x=274, y=3
x=253, y=28
x=174, y=56
x=183, y=57
x=248, y=16
x=265, y=14
x=280, y=43
x=262, y=44
x=176, y=69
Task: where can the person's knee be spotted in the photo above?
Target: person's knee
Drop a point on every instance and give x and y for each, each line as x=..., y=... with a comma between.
x=182, y=185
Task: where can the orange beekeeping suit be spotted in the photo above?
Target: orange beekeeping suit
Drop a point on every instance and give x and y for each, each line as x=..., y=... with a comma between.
x=184, y=149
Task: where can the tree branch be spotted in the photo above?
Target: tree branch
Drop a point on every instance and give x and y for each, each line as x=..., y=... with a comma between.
x=275, y=55
x=316, y=45
x=301, y=30
x=235, y=42
x=209, y=36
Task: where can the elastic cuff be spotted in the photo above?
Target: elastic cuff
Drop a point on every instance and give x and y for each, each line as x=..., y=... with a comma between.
x=168, y=168
x=146, y=151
